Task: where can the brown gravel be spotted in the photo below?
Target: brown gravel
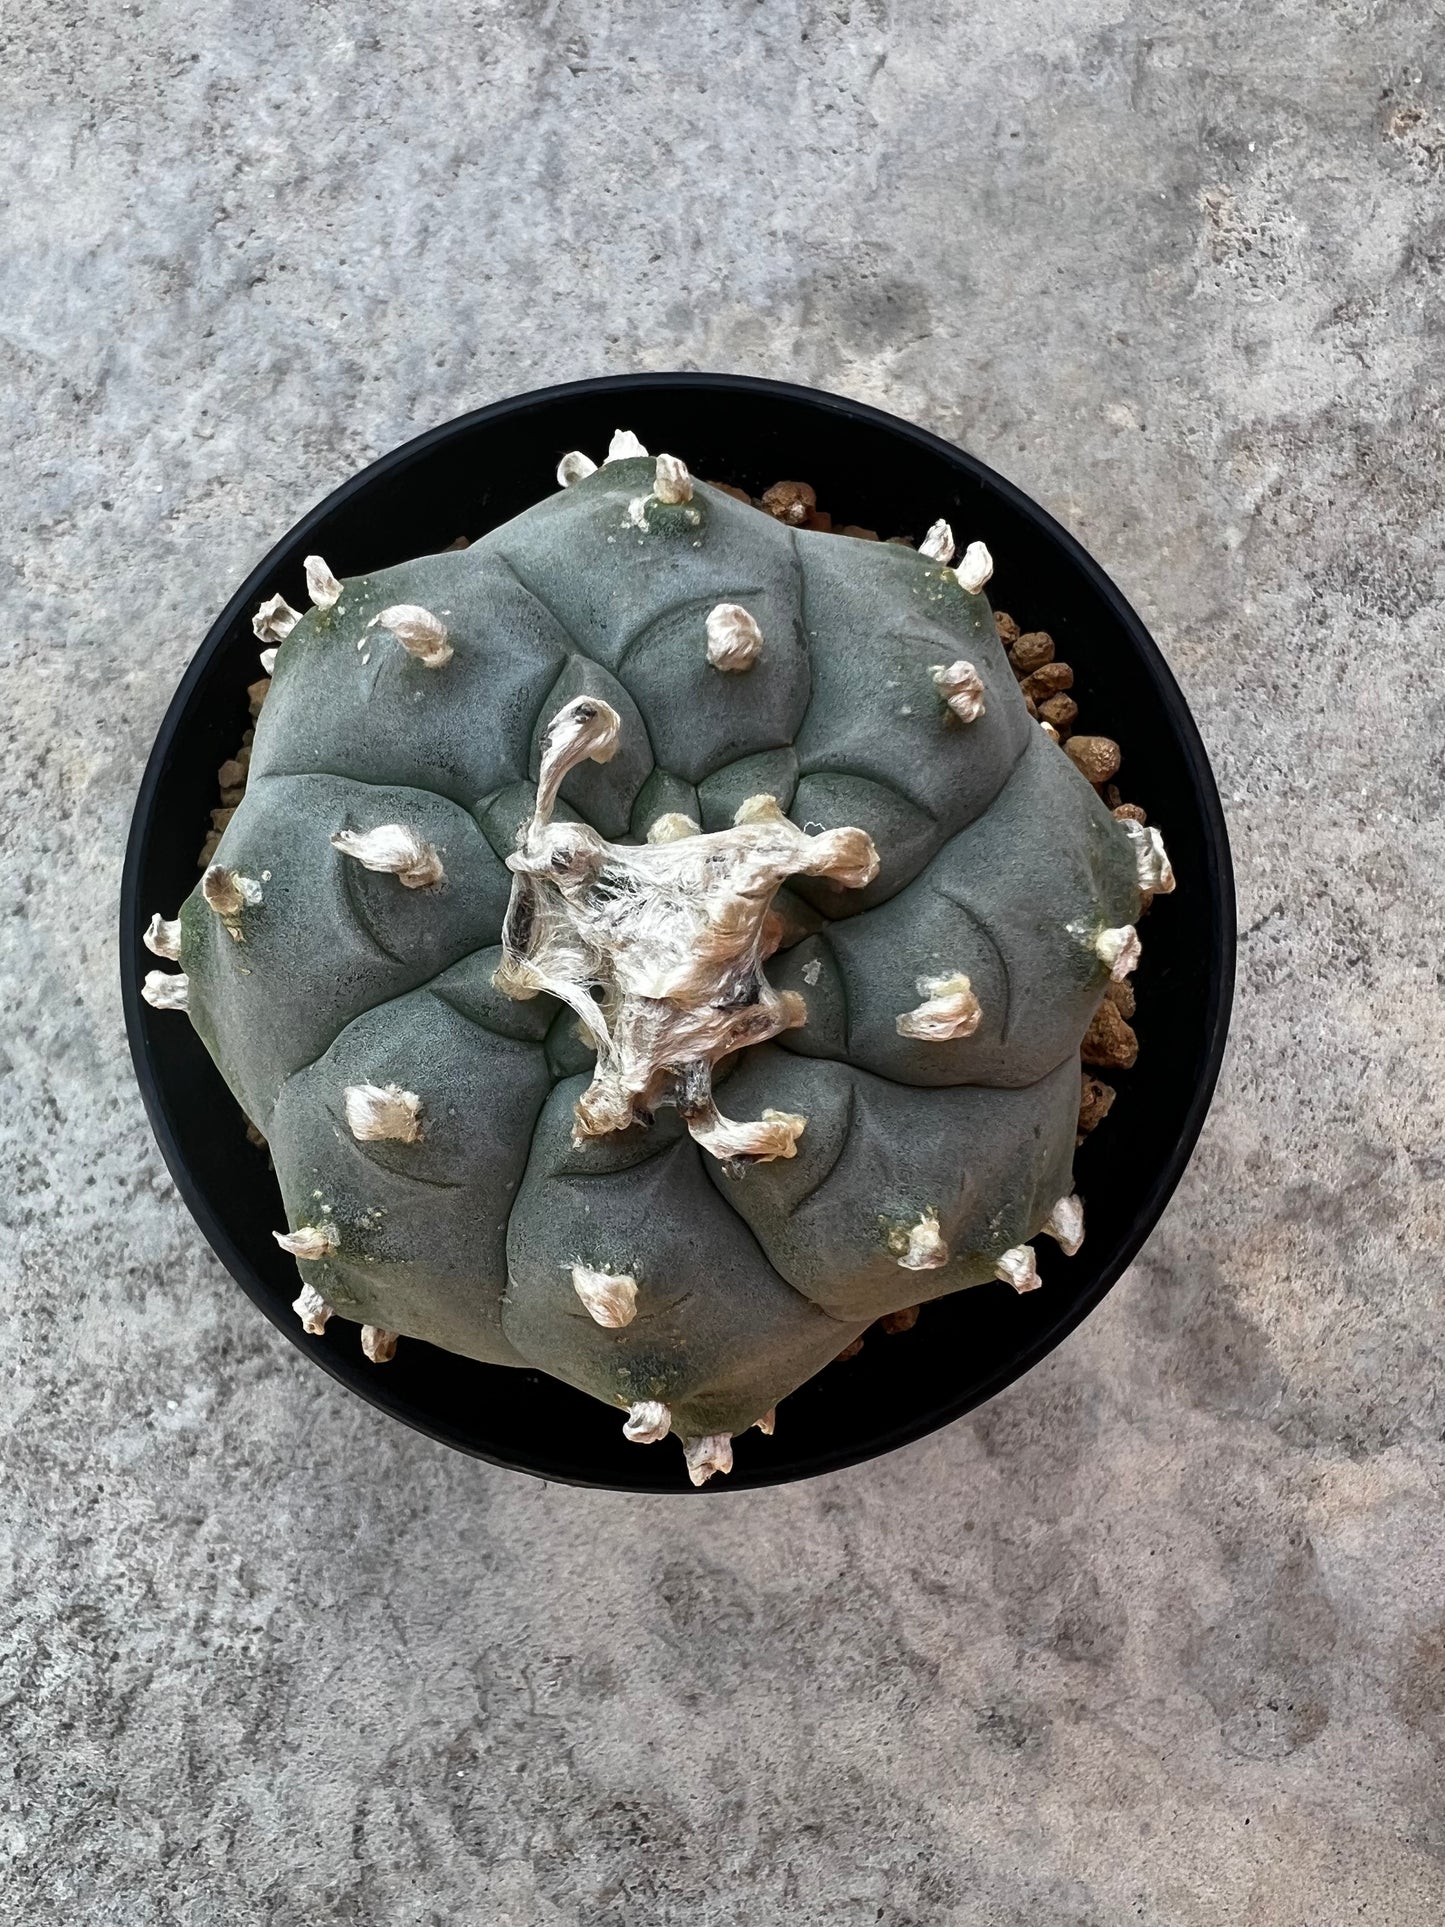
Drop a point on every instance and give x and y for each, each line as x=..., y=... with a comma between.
x=789, y=502
x=1048, y=681
x=1061, y=710
x=1008, y=629
x=1109, y=1042
x=1130, y=813
x=1096, y=1099
x=901, y=1321
x=1031, y=652
x=1098, y=757
x=1121, y=996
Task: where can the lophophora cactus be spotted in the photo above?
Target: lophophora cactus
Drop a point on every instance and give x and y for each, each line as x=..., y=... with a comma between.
x=656, y=943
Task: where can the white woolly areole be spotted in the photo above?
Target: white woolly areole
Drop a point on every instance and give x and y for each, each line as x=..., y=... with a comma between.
x=313, y=1311
x=637, y=512
x=379, y=1344
x=675, y=945
x=309, y=1241
x=975, y=568
x=734, y=640
x=648, y=1422
x=163, y=937
x=949, y=1010
x=575, y=467
x=1049, y=731
x=624, y=447
x=938, y=544
x=409, y=857
x=610, y=1297
x=268, y=662
x=706, y=1456
x=227, y=892
x=961, y=687
x=382, y=1111
x=1019, y=1269
x=926, y=1249
x=274, y=620
x=672, y=483
x=1065, y=1223
x=321, y=585
x=419, y=632
x=1118, y=951
x=759, y=809
x=767, y=1424
x=672, y=827
x=167, y=989
x=1151, y=860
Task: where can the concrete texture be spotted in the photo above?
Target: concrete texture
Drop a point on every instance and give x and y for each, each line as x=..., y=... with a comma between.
x=1160, y=1635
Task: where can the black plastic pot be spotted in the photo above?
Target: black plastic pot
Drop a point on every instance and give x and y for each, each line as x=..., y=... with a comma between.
x=465, y=478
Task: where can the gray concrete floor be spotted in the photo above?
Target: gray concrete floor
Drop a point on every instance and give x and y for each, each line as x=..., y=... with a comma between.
x=1159, y=1635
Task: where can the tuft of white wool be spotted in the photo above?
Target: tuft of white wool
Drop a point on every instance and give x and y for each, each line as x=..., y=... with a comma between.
x=575, y=467
x=228, y=893
x=949, y=1010
x=927, y=1248
x=167, y=989
x=382, y=1111
x=672, y=827
x=309, y=1241
x=975, y=568
x=321, y=585
x=1151, y=860
x=759, y=809
x=666, y=950
x=938, y=544
x=609, y=1297
x=672, y=483
x=419, y=632
x=624, y=447
x=1118, y=951
x=708, y=1455
x=774, y=1135
x=379, y=1344
x=268, y=662
x=1065, y=1224
x=961, y=687
x=313, y=1311
x=1019, y=1269
x=648, y=1422
x=163, y=937
x=767, y=1424
x=390, y=847
x=274, y=620
x=734, y=640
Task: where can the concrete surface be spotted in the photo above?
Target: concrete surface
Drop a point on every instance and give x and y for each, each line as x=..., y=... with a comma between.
x=1160, y=1635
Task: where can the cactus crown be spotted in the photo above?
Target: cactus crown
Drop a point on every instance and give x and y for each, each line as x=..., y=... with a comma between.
x=644, y=794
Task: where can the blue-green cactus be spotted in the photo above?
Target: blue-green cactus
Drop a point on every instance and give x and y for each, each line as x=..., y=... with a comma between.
x=642, y=794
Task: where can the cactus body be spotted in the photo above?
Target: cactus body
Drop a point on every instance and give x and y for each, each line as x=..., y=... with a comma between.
x=452, y=1041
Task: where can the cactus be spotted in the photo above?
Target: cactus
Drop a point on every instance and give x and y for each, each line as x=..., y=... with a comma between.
x=656, y=942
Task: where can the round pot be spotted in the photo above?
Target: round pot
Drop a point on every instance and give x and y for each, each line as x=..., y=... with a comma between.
x=467, y=477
